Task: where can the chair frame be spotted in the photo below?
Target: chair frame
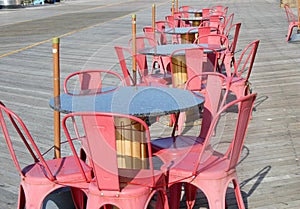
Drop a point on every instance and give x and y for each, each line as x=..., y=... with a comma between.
x=111, y=185
x=292, y=21
x=214, y=174
x=42, y=177
x=87, y=82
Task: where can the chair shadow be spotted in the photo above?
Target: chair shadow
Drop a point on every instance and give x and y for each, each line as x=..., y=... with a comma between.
x=231, y=203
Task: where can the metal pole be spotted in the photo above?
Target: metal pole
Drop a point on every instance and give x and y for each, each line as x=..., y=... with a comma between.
x=56, y=82
x=134, y=49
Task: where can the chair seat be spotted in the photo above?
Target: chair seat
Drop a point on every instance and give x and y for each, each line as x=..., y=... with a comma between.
x=65, y=169
x=138, y=187
x=214, y=167
x=159, y=78
x=174, y=148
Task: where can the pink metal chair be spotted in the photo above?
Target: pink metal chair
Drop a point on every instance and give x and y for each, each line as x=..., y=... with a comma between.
x=116, y=185
x=219, y=10
x=211, y=166
x=125, y=59
x=292, y=21
x=209, y=85
x=92, y=82
x=242, y=69
x=228, y=22
x=232, y=33
x=206, y=12
x=161, y=39
x=217, y=21
x=185, y=13
x=185, y=10
x=192, y=60
x=156, y=34
x=157, y=76
x=40, y=178
x=215, y=39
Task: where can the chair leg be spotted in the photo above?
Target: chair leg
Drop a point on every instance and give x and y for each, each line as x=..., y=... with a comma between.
x=190, y=195
x=21, y=198
x=78, y=198
x=238, y=194
x=162, y=200
x=288, y=37
x=175, y=194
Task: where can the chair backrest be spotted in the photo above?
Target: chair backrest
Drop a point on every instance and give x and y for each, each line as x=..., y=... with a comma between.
x=92, y=82
x=291, y=17
x=210, y=84
x=174, y=21
x=16, y=134
x=243, y=67
x=192, y=60
x=124, y=56
x=228, y=22
x=224, y=141
x=233, y=34
x=113, y=139
x=184, y=10
x=142, y=42
x=20, y=144
x=219, y=9
x=213, y=39
x=206, y=12
x=204, y=30
x=156, y=34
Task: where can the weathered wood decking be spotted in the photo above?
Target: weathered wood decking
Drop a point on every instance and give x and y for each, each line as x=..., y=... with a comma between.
x=269, y=172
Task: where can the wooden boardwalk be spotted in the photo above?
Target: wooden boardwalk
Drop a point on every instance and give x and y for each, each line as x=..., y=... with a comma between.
x=269, y=170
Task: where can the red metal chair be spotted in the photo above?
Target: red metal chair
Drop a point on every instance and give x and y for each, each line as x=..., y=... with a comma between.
x=132, y=184
x=209, y=85
x=217, y=21
x=185, y=63
x=228, y=22
x=292, y=21
x=206, y=12
x=211, y=166
x=161, y=39
x=213, y=39
x=41, y=177
x=219, y=10
x=125, y=59
x=157, y=76
x=232, y=33
x=156, y=34
x=242, y=69
x=92, y=82
x=217, y=40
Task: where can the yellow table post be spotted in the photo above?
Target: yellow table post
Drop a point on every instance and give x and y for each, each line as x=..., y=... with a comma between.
x=179, y=71
x=131, y=144
x=56, y=82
